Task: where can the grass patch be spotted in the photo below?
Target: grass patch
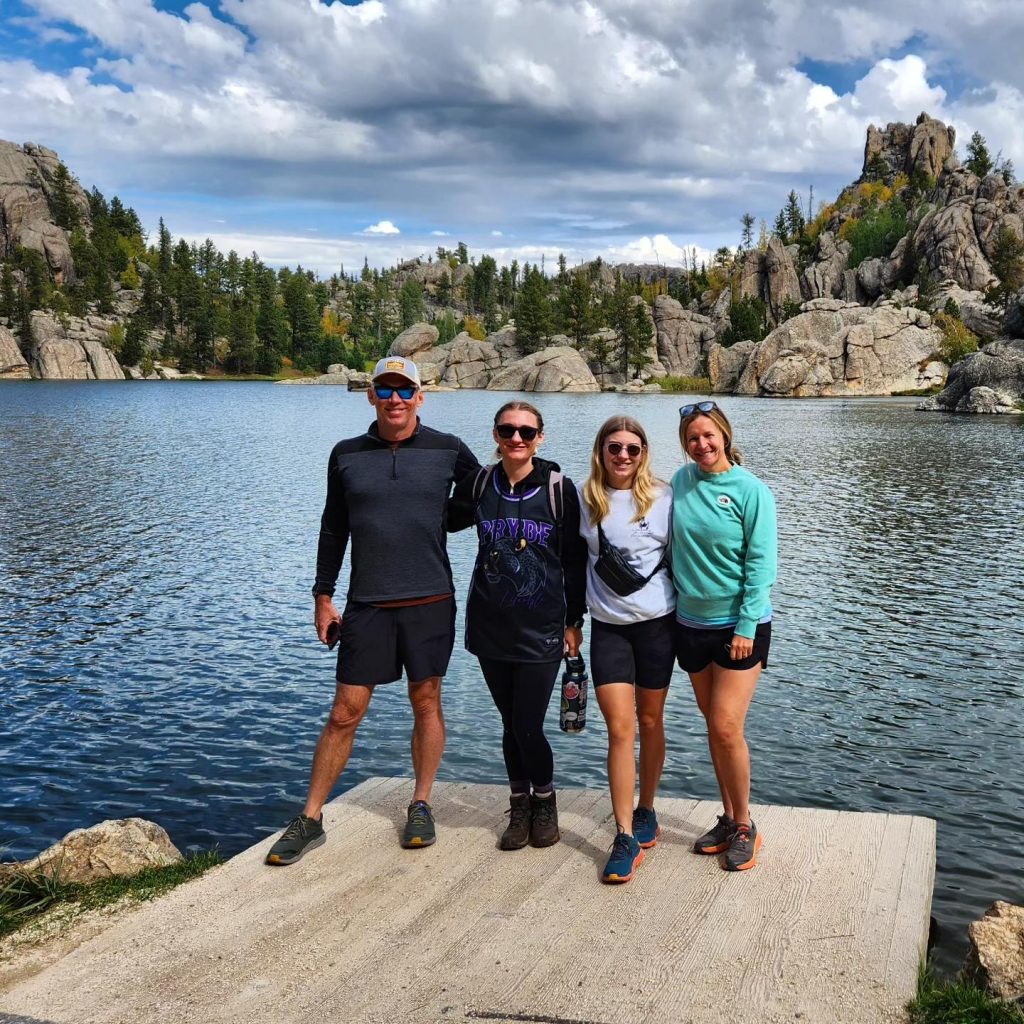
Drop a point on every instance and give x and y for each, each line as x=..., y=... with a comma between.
x=686, y=385
x=25, y=895
x=918, y=392
x=958, y=1002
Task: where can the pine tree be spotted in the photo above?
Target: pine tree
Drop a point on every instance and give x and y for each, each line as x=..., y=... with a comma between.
x=134, y=346
x=410, y=299
x=8, y=293
x=979, y=160
x=533, y=312
x=795, y=223
x=577, y=317
x=62, y=202
x=747, y=235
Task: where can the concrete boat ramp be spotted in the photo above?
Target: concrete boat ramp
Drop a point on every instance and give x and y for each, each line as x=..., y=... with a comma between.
x=830, y=927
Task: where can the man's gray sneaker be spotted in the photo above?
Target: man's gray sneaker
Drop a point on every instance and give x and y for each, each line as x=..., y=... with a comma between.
x=301, y=835
x=742, y=852
x=716, y=840
x=419, y=826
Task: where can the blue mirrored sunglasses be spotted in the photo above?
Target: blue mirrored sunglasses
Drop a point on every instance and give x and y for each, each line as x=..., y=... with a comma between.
x=385, y=391
x=686, y=410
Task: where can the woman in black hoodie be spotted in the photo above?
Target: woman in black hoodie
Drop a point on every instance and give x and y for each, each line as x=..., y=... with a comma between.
x=525, y=607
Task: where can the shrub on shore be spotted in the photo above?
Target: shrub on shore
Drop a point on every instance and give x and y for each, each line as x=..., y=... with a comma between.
x=686, y=385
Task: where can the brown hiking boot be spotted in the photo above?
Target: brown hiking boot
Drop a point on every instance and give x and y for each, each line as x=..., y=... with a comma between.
x=517, y=835
x=544, y=826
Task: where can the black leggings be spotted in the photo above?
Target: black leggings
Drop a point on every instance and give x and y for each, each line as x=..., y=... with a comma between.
x=521, y=692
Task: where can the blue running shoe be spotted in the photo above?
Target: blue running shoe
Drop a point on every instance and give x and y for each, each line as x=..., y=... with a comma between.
x=645, y=827
x=626, y=857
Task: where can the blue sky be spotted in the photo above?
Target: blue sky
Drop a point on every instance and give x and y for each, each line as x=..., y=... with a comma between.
x=630, y=129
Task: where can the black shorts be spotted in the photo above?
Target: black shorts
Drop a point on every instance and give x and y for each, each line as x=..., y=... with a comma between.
x=377, y=643
x=697, y=648
x=640, y=653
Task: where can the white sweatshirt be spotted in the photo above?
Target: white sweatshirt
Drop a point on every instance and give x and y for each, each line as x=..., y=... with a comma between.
x=643, y=543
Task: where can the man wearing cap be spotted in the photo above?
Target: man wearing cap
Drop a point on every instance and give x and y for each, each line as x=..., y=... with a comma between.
x=388, y=492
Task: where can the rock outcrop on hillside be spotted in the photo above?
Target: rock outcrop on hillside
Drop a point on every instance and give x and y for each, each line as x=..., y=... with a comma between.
x=682, y=337
x=927, y=146
x=13, y=365
x=989, y=381
x=835, y=348
x=26, y=186
x=72, y=351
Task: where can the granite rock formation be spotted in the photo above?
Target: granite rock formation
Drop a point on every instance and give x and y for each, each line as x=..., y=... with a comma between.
x=72, y=350
x=989, y=380
x=13, y=365
x=927, y=146
x=835, y=348
x=552, y=369
x=682, y=337
x=26, y=177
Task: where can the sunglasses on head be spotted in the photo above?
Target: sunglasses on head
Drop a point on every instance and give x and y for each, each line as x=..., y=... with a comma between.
x=506, y=431
x=686, y=410
x=385, y=391
x=632, y=450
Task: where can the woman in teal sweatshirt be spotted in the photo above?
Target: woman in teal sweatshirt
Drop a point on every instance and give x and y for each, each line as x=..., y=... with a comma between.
x=724, y=559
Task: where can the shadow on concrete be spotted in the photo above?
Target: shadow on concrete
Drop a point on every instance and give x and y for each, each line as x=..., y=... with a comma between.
x=16, y=1018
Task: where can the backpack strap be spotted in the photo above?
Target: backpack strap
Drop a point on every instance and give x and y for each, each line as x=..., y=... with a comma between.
x=556, y=499
x=483, y=478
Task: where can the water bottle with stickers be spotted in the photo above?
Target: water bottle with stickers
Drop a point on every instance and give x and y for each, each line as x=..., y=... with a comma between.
x=573, y=714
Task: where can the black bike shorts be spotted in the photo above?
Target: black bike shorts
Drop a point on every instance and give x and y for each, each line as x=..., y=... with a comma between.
x=640, y=652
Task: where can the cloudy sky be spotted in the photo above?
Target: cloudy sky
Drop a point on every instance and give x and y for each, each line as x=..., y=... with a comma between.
x=323, y=133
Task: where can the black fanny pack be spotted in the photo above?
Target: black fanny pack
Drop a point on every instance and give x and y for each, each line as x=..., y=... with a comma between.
x=616, y=572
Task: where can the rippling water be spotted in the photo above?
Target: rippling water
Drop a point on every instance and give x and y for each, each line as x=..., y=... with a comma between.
x=157, y=655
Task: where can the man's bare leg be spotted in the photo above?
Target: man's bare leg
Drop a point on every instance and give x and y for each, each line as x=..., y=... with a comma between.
x=427, y=734
x=335, y=744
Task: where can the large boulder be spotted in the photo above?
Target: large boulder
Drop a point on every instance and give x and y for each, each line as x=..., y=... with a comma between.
x=13, y=365
x=682, y=337
x=996, y=957
x=414, y=340
x=990, y=380
x=470, y=363
x=122, y=846
x=560, y=368
x=833, y=348
x=26, y=187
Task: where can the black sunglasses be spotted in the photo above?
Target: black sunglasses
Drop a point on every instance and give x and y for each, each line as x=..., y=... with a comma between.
x=385, y=391
x=685, y=410
x=506, y=431
x=632, y=450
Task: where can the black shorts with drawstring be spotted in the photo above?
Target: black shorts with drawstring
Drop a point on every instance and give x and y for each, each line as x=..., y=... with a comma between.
x=698, y=648
x=376, y=644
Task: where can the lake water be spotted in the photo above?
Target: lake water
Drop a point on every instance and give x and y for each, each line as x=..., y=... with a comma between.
x=157, y=656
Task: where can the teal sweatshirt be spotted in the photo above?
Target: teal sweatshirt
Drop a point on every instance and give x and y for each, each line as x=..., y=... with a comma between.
x=724, y=547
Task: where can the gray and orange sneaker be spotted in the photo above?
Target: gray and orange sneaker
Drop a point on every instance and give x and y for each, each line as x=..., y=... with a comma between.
x=742, y=852
x=419, y=826
x=301, y=835
x=716, y=839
